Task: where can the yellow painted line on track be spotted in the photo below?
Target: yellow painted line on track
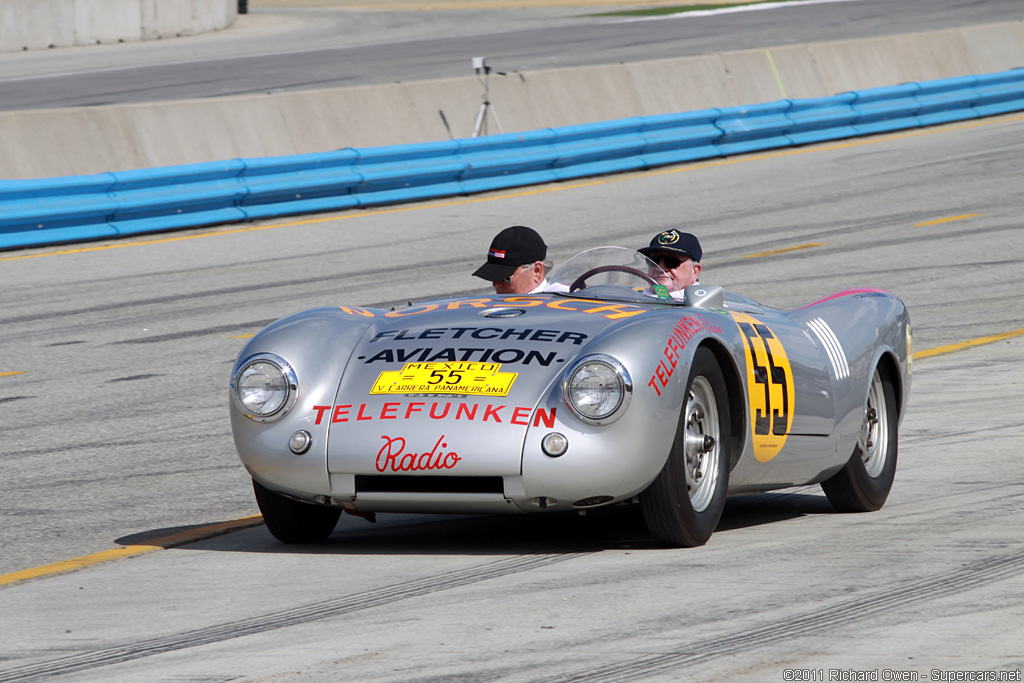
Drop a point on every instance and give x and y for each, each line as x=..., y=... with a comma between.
x=169, y=541
x=950, y=348
x=8, y=374
x=939, y=221
x=209, y=531
x=786, y=249
x=512, y=195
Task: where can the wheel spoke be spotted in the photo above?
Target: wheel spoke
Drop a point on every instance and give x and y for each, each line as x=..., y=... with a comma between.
x=700, y=444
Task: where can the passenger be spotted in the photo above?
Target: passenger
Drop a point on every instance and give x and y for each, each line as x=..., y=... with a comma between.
x=517, y=262
x=678, y=254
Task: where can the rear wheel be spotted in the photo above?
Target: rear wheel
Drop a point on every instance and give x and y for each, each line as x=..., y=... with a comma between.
x=292, y=521
x=864, y=483
x=683, y=505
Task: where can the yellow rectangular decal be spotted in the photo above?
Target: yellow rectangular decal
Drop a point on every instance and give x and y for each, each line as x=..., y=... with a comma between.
x=462, y=378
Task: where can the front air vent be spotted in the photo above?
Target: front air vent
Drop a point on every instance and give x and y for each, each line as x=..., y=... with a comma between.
x=372, y=483
x=502, y=312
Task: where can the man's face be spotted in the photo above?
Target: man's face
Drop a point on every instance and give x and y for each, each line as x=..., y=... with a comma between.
x=678, y=269
x=524, y=280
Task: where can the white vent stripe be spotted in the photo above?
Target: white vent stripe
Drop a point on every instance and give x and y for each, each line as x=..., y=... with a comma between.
x=825, y=335
x=832, y=347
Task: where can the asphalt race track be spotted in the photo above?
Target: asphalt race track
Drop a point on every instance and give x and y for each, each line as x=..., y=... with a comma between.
x=116, y=432
x=115, y=444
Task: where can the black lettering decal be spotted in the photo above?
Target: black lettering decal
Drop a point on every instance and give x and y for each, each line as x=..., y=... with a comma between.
x=406, y=355
x=779, y=418
x=478, y=334
x=443, y=354
x=576, y=338
x=433, y=333
x=762, y=420
x=502, y=356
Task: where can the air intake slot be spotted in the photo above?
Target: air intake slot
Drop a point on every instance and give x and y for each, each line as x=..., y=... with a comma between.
x=366, y=483
x=502, y=312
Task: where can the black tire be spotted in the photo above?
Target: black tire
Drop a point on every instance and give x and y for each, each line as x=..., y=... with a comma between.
x=865, y=481
x=683, y=505
x=292, y=521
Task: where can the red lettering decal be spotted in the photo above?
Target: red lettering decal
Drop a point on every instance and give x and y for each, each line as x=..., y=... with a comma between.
x=464, y=408
x=662, y=373
x=388, y=451
x=390, y=456
x=491, y=410
x=360, y=416
x=338, y=412
x=652, y=384
x=407, y=462
x=447, y=406
x=387, y=411
x=413, y=409
x=542, y=416
x=521, y=416
x=320, y=410
x=673, y=359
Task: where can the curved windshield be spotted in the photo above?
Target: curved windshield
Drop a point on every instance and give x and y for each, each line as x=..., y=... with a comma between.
x=614, y=274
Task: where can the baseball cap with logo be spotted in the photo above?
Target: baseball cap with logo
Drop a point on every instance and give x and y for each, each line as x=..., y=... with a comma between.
x=511, y=248
x=674, y=242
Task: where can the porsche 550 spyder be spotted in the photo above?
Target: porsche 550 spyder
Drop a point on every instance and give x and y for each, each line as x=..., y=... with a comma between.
x=608, y=389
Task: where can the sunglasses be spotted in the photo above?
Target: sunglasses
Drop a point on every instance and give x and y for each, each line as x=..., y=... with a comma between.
x=668, y=261
x=508, y=280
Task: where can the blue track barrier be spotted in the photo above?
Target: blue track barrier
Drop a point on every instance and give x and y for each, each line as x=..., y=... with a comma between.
x=107, y=205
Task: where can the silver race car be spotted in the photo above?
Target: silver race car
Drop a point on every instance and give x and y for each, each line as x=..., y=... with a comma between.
x=608, y=389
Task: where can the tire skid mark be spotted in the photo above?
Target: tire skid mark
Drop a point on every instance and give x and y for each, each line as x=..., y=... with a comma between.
x=295, y=616
x=810, y=623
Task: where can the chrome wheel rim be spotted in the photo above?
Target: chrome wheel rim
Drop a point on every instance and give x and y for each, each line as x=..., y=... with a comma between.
x=874, y=431
x=700, y=444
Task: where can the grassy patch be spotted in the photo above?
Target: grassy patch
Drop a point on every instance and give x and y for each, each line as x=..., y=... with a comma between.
x=678, y=9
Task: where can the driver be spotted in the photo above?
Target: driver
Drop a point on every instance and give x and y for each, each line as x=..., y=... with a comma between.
x=517, y=262
x=678, y=254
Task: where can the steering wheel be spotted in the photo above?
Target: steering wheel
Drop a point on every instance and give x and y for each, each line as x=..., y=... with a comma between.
x=579, y=283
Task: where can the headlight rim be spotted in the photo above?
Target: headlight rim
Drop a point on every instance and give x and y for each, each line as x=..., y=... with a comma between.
x=290, y=377
x=625, y=382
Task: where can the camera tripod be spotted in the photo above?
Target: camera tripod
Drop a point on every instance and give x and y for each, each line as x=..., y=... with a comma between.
x=486, y=107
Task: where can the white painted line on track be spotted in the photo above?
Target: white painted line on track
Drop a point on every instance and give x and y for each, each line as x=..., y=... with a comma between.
x=733, y=10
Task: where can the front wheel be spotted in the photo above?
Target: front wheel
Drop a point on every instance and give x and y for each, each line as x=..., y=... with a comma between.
x=864, y=482
x=683, y=505
x=292, y=521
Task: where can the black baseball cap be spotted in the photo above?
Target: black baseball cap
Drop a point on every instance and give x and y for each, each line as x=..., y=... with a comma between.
x=511, y=248
x=674, y=242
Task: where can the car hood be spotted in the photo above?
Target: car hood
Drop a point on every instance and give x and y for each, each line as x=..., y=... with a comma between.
x=450, y=388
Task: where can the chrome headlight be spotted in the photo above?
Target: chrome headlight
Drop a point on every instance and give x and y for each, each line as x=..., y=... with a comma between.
x=265, y=387
x=598, y=389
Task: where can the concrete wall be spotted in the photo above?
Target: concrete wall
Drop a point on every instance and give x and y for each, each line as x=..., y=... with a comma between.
x=41, y=24
x=50, y=143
